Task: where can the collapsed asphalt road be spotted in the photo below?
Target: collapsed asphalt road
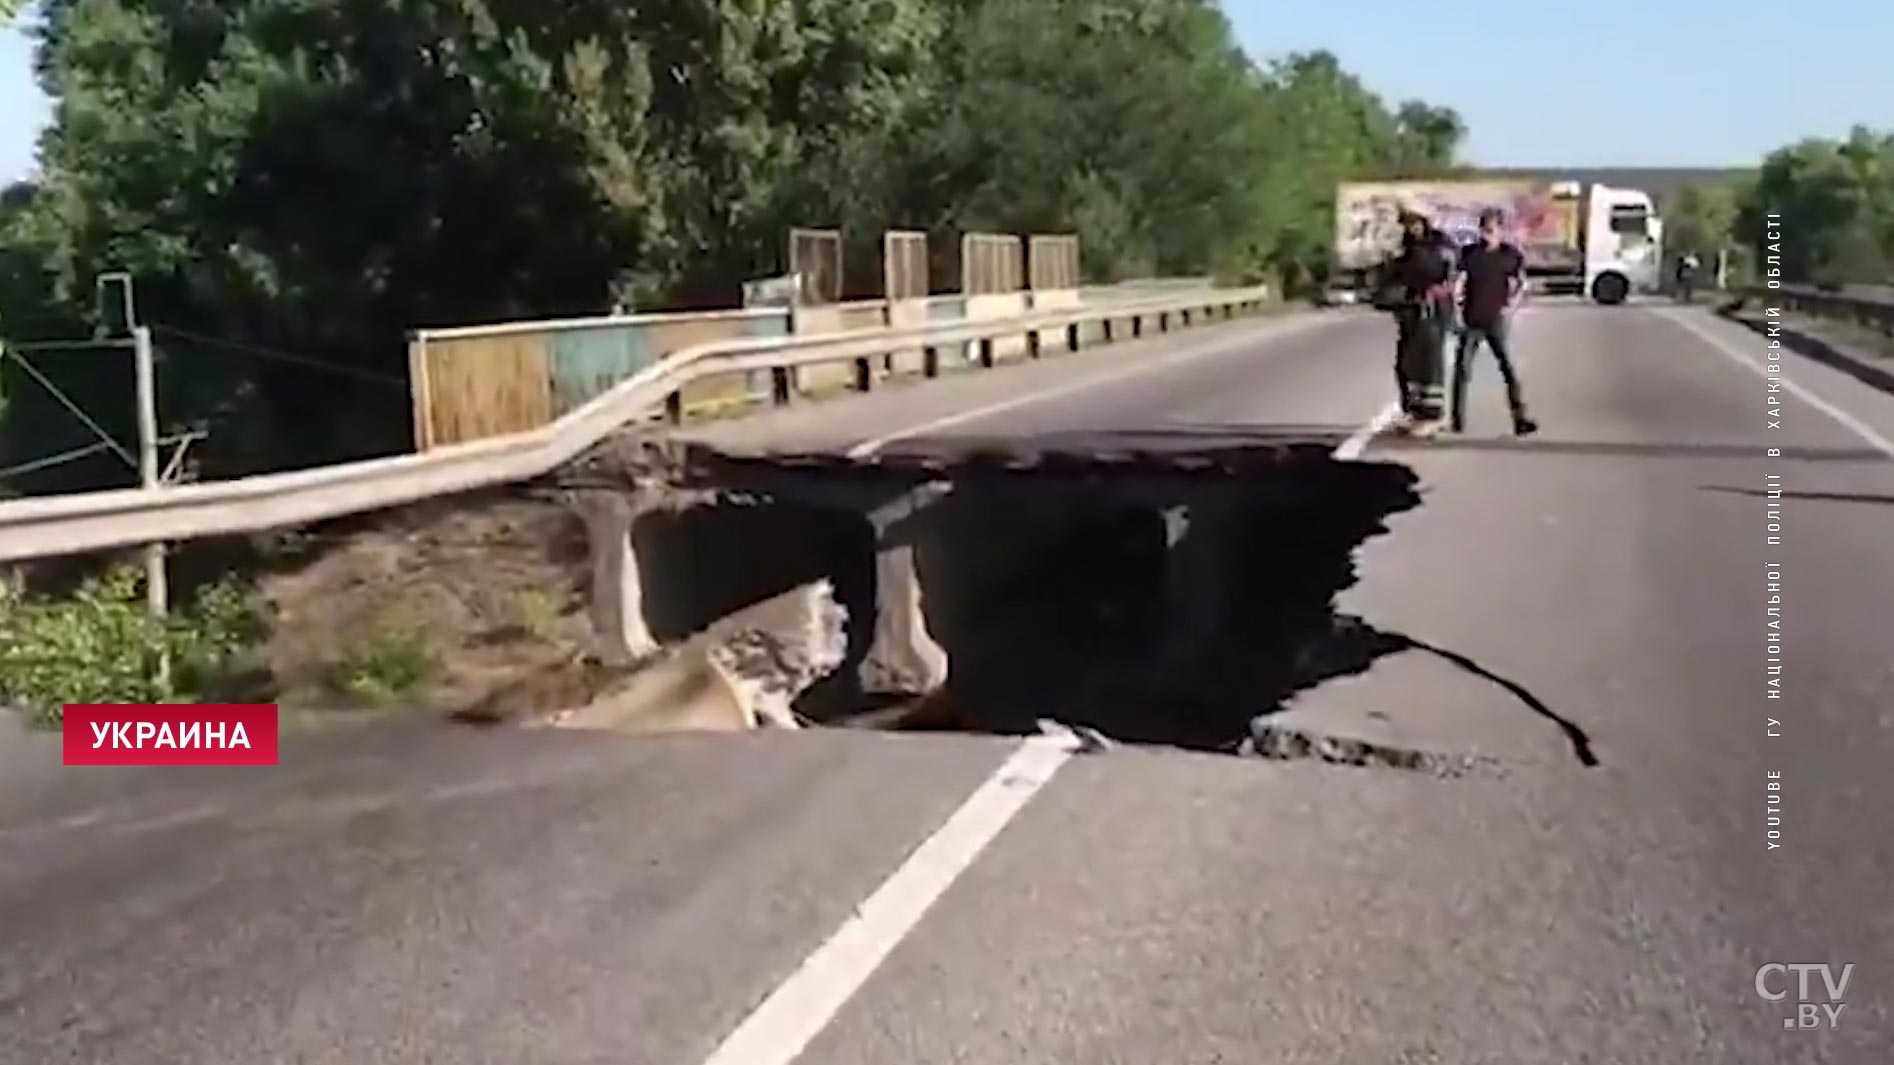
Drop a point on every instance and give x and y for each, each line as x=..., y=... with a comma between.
x=1146, y=589
x=413, y=894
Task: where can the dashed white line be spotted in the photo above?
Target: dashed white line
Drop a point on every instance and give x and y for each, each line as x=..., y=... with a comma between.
x=1842, y=417
x=868, y=447
x=797, y=1011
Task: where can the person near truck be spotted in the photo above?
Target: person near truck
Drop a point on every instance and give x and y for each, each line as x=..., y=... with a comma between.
x=1687, y=265
x=1421, y=281
x=1492, y=281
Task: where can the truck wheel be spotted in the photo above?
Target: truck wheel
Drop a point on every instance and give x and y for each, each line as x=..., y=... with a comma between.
x=1610, y=289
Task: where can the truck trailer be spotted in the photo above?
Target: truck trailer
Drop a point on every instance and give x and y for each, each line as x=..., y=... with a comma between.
x=1598, y=240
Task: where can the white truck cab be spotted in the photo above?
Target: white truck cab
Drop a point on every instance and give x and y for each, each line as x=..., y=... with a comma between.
x=1623, y=240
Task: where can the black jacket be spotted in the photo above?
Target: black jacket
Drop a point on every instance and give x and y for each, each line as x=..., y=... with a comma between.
x=1421, y=276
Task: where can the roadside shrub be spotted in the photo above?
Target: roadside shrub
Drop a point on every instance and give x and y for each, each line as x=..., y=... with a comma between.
x=391, y=663
x=100, y=645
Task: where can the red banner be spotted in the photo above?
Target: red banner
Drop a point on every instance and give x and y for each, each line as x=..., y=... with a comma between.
x=134, y=734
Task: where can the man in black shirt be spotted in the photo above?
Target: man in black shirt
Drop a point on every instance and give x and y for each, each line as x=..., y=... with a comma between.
x=1492, y=279
x=1422, y=301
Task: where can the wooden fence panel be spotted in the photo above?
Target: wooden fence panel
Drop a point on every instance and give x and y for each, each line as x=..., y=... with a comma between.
x=816, y=255
x=990, y=264
x=476, y=387
x=904, y=265
x=1054, y=261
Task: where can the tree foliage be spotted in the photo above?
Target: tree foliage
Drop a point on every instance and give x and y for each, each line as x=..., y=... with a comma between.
x=1700, y=220
x=1836, y=202
x=100, y=645
x=316, y=177
x=1426, y=139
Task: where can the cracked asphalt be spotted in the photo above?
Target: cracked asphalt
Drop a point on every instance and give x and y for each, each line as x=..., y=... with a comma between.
x=1586, y=609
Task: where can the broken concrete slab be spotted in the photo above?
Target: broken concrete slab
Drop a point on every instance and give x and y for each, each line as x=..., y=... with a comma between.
x=742, y=674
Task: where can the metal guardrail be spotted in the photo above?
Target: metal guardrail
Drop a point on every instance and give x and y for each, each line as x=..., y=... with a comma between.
x=472, y=382
x=1865, y=305
x=73, y=524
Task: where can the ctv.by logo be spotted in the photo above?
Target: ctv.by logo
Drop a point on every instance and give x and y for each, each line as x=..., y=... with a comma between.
x=1808, y=1013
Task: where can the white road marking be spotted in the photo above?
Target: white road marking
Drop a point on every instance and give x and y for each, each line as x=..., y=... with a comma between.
x=868, y=447
x=1350, y=449
x=797, y=1011
x=1847, y=420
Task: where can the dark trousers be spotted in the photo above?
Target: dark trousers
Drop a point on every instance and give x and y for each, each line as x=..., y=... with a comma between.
x=1494, y=334
x=1420, y=355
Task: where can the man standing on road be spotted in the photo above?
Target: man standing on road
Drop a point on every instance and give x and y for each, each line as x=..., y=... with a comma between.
x=1687, y=276
x=1492, y=280
x=1423, y=274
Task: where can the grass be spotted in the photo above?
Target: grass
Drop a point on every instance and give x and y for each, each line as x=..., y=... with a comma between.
x=394, y=662
x=540, y=613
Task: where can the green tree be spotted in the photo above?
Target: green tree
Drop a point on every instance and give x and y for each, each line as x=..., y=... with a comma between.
x=1320, y=126
x=1836, y=202
x=1701, y=220
x=1128, y=120
x=1426, y=139
x=315, y=178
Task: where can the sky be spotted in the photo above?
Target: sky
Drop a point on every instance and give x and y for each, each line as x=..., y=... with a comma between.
x=1605, y=84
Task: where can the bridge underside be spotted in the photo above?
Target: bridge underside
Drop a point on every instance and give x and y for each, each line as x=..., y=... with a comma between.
x=1005, y=573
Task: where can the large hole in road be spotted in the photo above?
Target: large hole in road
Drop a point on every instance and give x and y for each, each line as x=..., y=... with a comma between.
x=1175, y=601
x=1174, y=617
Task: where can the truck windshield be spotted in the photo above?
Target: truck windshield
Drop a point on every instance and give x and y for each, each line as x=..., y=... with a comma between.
x=1629, y=221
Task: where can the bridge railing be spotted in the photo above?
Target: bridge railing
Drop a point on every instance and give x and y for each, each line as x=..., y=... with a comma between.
x=473, y=382
x=72, y=524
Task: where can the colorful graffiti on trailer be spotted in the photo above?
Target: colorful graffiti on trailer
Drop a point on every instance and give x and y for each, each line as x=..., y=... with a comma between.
x=1368, y=228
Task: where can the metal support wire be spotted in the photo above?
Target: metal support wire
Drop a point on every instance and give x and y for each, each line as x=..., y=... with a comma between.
x=67, y=402
x=52, y=460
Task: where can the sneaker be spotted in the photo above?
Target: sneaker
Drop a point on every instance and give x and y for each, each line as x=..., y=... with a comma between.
x=1425, y=429
x=1524, y=426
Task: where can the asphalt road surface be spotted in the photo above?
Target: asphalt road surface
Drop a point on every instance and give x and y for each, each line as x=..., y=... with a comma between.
x=419, y=894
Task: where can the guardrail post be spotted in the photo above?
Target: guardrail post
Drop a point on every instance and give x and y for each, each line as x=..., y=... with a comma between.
x=1032, y=344
x=1072, y=337
x=986, y=353
x=1105, y=324
x=779, y=385
x=157, y=595
x=930, y=361
x=864, y=375
x=1164, y=321
x=418, y=392
x=1137, y=326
